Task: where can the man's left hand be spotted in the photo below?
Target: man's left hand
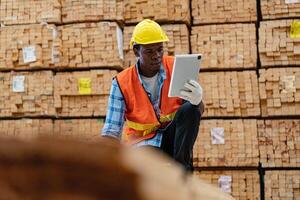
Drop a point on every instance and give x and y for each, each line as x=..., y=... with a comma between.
x=194, y=95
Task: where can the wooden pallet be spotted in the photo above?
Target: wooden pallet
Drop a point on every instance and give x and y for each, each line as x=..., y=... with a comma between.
x=276, y=46
x=18, y=12
x=178, y=42
x=89, y=45
x=280, y=9
x=226, y=143
x=240, y=184
x=29, y=47
x=206, y=12
x=282, y=185
x=229, y=94
x=171, y=11
x=279, y=91
x=82, y=94
x=229, y=46
x=26, y=94
x=279, y=144
x=90, y=10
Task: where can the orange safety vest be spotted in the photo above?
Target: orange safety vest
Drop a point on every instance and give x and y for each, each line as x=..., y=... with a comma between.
x=141, y=120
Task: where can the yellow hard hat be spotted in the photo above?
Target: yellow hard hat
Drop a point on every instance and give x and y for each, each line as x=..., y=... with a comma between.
x=148, y=32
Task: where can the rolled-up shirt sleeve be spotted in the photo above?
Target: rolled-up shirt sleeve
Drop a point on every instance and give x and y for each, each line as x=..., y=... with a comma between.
x=114, y=121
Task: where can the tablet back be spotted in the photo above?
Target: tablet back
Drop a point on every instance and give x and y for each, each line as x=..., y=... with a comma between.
x=186, y=67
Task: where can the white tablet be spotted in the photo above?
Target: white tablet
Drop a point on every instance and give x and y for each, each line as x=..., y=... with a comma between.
x=186, y=67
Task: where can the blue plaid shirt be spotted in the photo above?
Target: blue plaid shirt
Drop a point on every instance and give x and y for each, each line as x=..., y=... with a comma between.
x=116, y=110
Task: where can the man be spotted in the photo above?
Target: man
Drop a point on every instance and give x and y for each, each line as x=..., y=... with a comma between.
x=139, y=96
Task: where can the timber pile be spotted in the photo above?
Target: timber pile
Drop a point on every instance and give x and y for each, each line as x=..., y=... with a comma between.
x=178, y=43
x=226, y=143
x=171, y=11
x=26, y=94
x=240, y=184
x=29, y=46
x=279, y=143
x=280, y=91
x=280, y=9
x=230, y=94
x=226, y=46
x=16, y=12
x=282, y=185
x=65, y=170
x=278, y=44
x=26, y=128
x=89, y=45
x=79, y=94
x=206, y=12
x=87, y=10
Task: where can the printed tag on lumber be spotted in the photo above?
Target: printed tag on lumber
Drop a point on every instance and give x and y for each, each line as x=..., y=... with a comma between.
x=295, y=29
x=288, y=84
x=85, y=86
x=18, y=84
x=29, y=54
x=291, y=1
x=217, y=135
x=225, y=183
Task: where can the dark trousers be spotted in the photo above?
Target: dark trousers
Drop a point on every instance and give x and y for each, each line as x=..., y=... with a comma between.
x=180, y=136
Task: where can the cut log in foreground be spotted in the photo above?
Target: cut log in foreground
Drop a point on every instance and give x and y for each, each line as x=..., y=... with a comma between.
x=62, y=170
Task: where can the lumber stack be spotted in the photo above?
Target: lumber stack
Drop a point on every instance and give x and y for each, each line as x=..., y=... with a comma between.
x=26, y=94
x=79, y=94
x=279, y=143
x=278, y=44
x=26, y=128
x=94, y=170
x=240, y=184
x=280, y=9
x=282, y=184
x=86, y=10
x=206, y=12
x=228, y=46
x=226, y=143
x=29, y=11
x=29, y=46
x=280, y=91
x=178, y=43
x=87, y=129
x=89, y=45
x=161, y=11
x=230, y=93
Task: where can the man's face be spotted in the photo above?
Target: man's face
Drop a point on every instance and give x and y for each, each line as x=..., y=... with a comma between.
x=150, y=56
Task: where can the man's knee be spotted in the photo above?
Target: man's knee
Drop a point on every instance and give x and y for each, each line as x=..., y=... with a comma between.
x=190, y=110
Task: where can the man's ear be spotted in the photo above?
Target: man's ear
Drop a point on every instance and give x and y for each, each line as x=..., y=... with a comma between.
x=136, y=51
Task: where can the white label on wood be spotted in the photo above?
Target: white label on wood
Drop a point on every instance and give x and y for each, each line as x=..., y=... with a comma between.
x=29, y=54
x=292, y=1
x=18, y=84
x=288, y=84
x=225, y=183
x=120, y=42
x=217, y=135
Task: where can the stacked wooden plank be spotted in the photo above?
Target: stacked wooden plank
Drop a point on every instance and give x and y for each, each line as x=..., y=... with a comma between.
x=278, y=45
x=79, y=94
x=228, y=46
x=26, y=128
x=92, y=45
x=282, y=185
x=87, y=10
x=160, y=11
x=240, y=184
x=82, y=128
x=29, y=46
x=29, y=11
x=226, y=143
x=280, y=9
x=230, y=94
x=26, y=94
x=178, y=43
x=280, y=91
x=279, y=143
x=205, y=12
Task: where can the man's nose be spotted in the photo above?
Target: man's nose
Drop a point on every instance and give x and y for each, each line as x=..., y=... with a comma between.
x=156, y=55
